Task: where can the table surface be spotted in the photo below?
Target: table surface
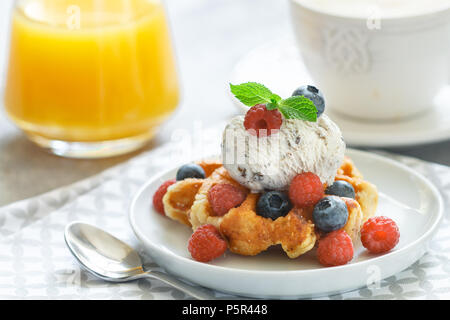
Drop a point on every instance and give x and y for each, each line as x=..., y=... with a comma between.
x=210, y=37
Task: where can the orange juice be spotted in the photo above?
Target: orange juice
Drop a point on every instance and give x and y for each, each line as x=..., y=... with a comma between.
x=90, y=71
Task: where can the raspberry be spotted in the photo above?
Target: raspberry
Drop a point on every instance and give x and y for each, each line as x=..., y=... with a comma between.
x=379, y=234
x=159, y=194
x=335, y=249
x=262, y=122
x=306, y=190
x=223, y=197
x=206, y=243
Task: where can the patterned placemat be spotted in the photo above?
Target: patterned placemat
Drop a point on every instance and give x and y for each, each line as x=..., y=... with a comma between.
x=35, y=263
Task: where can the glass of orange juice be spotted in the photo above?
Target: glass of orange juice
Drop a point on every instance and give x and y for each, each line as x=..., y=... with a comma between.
x=90, y=78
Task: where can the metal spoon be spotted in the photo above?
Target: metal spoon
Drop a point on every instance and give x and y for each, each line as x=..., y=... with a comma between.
x=113, y=260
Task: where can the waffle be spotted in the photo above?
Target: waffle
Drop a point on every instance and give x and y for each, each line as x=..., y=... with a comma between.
x=180, y=198
x=366, y=193
x=248, y=233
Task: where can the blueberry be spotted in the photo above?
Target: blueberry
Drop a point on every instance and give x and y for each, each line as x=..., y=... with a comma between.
x=190, y=170
x=330, y=214
x=341, y=188
x=313, y=94
x=273, y=204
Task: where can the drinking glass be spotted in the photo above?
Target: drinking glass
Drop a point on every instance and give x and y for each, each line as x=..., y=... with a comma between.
x=90, y=78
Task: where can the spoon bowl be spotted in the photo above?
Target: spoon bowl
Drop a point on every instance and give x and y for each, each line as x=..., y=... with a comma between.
x=113, y=260
x=101, y=253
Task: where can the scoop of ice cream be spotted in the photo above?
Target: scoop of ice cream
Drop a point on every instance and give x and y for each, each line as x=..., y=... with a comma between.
x=270, y=163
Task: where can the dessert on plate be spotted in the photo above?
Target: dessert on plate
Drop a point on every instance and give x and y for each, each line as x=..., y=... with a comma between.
x=283, y=180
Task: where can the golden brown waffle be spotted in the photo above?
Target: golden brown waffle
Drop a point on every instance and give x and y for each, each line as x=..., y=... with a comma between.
x=179, y=200
x=366, y=193
x=248, y=233
x=355, y=219
x=201, y=212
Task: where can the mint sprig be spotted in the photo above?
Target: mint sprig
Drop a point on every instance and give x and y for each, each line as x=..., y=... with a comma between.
x=296, y=107
x=252, y=93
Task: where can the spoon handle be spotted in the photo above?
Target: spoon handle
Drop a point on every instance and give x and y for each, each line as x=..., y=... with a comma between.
x=196, y=292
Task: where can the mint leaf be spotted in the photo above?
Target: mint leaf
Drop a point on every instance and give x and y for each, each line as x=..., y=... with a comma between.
x=252, y=93
x=298, y=107
x=274, y=100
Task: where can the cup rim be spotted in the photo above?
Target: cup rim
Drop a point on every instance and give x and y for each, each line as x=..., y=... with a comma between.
x=443, y=10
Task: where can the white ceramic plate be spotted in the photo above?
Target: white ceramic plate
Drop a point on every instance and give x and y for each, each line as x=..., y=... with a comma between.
x=284, y=71
x=417, y=209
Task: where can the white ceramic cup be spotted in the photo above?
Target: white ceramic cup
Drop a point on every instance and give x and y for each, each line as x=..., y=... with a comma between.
x=385, y=69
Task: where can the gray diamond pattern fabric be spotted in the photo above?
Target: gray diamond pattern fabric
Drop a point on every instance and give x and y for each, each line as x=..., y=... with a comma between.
x=35, y=263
